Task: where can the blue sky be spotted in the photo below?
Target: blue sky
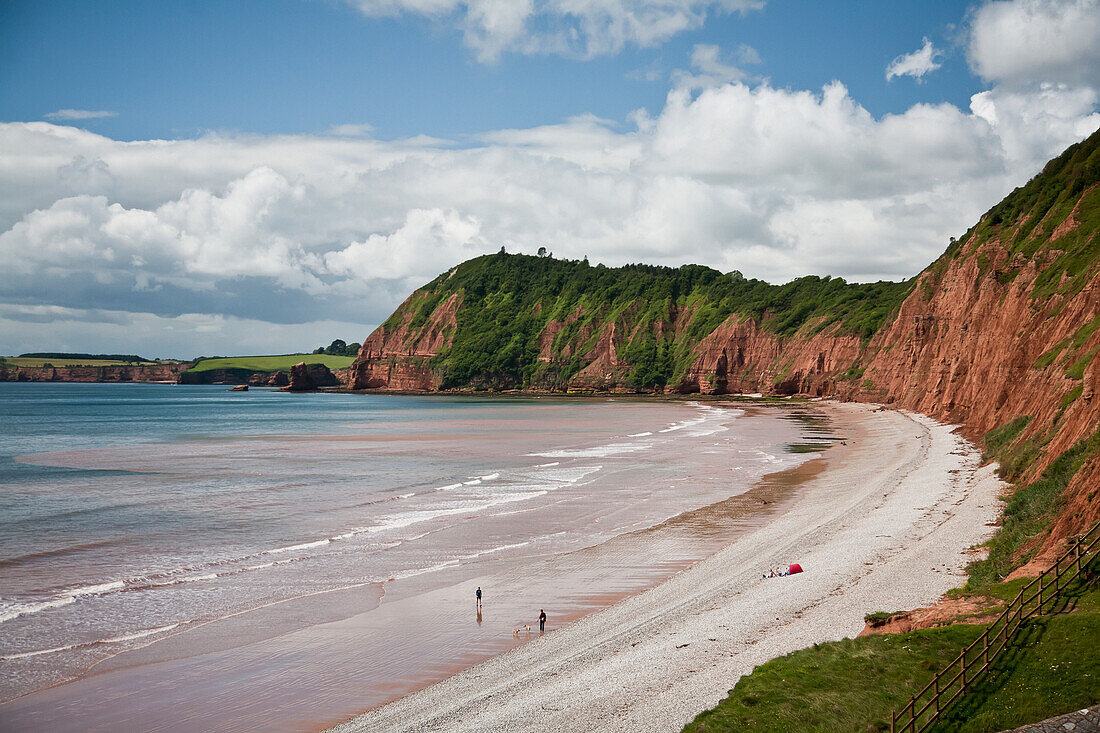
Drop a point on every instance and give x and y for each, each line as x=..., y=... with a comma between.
x=171, y=70
x=264, y=177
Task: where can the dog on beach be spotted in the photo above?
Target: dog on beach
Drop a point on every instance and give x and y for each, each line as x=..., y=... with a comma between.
x=526, y=627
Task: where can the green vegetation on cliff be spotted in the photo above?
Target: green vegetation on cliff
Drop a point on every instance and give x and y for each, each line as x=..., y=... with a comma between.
x=659, y=313
x=1027, y=223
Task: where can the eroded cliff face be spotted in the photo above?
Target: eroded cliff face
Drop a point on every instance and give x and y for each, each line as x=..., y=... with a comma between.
x=120, y=373
x=398, y=358
x=976, y=346
x=740, y=357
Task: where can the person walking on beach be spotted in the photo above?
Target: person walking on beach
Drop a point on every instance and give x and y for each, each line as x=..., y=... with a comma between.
x=478, y=594
x=542, y=621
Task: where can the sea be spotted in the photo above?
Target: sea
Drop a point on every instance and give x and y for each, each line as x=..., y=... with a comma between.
x=187, y=551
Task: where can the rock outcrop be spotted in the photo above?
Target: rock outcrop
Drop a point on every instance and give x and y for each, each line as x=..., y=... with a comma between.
x=309, y=377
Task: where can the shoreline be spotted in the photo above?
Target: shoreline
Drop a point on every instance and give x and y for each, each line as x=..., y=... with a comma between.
x=902, y=493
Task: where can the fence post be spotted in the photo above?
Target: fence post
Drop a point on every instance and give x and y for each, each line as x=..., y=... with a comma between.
x=936, y=681
x=893, y=721
x=1077, y=553
x=985, y=648
x=912, y=724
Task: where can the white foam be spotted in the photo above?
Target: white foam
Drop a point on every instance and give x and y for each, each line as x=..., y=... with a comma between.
x=292, y=548
x=599, y=451
x=22, y=609
x=98, y=589
x=138, y=634
x=406, y=519
x=548, y=465
x=639, y=435
x=15, y=610
x=37, y=653
x=114, y=640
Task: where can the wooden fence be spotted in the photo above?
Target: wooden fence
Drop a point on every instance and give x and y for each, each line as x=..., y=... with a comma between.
x=925, y=707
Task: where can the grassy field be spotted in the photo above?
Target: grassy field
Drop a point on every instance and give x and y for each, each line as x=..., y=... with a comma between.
x=29, y=361
x=271, y=363
x=854, y=684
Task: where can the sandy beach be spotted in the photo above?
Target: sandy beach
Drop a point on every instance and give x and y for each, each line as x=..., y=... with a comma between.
x=884, y=524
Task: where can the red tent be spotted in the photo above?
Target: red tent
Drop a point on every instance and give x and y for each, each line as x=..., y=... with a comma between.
x=796, y=568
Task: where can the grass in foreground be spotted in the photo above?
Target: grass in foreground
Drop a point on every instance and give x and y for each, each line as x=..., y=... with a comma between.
x=281, y=362
x=838, y=686
x=854, y=684
x=1054, y=668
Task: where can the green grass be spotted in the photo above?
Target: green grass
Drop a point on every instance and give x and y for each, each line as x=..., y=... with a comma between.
x=854, y=684
x=1053, y=668
x=999, y=440
x=1028, y=514
x=839, y=686
x=1047, y=357
x=271, y=363
x=1076, y=370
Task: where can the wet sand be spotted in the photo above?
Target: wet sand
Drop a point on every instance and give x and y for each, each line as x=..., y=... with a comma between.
x=881, y=522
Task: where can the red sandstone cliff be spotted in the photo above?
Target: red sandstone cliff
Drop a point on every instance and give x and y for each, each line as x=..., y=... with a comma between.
x=396, y=356
x=119, y=373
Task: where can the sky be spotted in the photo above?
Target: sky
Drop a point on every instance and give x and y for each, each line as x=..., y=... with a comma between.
x=208, y=178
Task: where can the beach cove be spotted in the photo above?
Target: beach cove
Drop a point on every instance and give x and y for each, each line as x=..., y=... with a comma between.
x=648, y=624
x=885, y=523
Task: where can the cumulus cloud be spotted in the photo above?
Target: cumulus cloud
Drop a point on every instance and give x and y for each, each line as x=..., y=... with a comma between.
x=915, y=64
x=1037, y=41
x=564, y=27
x=64, y=115
x=339, y=227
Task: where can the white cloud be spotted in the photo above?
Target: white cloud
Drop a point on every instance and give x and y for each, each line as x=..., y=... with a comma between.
x=413, y=251
x=63, y=115
x=915, y=64
x=711, y=70
x=1035, y=41
x=574, y=28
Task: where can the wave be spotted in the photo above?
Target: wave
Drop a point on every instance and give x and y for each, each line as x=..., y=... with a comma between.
x=113, y=640
x=599, y=451
x=51, y=554
x=413, y=572
x=15, y=610
x=292, y=548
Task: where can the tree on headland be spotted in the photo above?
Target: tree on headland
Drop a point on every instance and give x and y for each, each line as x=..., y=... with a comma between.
x=339, y=347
